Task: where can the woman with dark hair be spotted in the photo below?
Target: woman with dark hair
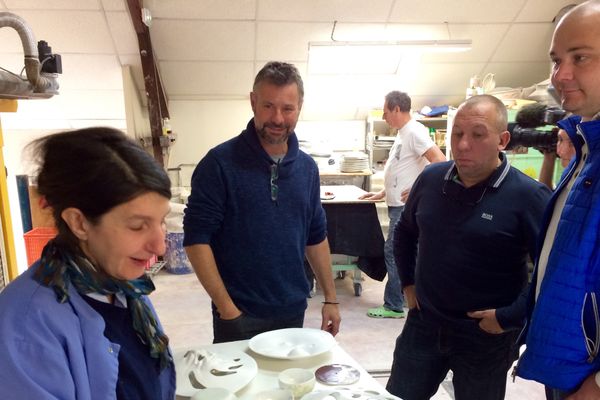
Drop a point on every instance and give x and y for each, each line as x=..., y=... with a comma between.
x=78, y=324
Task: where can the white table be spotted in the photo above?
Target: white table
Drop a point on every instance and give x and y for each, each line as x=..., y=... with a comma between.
x=345, y=194
x=269, y=369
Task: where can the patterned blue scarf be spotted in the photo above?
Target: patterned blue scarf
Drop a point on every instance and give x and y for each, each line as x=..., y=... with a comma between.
x=59, y=268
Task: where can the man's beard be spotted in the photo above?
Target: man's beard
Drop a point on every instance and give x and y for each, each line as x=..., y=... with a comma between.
x=262, y=132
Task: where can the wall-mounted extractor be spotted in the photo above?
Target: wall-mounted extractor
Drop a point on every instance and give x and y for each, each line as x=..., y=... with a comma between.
x=41, y=66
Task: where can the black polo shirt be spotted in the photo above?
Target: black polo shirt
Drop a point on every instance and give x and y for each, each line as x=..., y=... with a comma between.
x=473, y=243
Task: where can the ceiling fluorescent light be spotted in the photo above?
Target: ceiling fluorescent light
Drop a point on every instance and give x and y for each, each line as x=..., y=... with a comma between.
x=422, y=45
x=373, y=57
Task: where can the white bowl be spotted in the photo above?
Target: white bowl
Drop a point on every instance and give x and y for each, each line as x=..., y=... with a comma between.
x=292, y=343
x=298, y=380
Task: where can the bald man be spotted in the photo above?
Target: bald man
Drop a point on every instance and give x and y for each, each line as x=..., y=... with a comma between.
x=461, y=246
x=564, y=328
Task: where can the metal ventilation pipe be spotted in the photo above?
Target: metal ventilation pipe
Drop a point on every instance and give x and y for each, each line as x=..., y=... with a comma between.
x=40, y=84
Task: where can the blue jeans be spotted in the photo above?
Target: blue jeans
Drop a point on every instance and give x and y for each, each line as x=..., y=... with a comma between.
x=245, y=327
x=393, y=299
x=425, y=352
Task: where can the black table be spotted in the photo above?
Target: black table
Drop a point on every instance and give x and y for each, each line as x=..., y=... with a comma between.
x=353, y=229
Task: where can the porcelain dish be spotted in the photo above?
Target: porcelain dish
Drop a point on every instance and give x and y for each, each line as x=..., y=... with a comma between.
x=198, y=369
x=292, y=343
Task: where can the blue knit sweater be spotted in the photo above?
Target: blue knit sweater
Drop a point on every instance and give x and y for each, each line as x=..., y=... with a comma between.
x=258, y=243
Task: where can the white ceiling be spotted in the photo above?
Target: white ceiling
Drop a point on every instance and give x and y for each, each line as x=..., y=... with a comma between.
x=211, y=50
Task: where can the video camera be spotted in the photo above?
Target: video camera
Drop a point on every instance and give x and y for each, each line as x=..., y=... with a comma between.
x=523, y=132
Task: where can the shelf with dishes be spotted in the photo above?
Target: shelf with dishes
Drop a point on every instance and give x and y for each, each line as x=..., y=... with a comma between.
x=379, y=137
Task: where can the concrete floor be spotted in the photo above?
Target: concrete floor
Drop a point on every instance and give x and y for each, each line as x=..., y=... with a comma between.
x=184, y=310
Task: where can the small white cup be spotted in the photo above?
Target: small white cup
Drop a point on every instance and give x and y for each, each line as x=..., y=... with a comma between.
x=298, y=380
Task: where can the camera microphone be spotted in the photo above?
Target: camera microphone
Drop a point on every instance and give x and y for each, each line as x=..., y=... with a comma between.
x=531, y=116
x=523, y=132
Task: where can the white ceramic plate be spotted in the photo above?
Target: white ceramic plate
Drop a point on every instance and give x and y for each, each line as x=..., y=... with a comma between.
x=292, y=343
x=231, y=370
x=327, y=195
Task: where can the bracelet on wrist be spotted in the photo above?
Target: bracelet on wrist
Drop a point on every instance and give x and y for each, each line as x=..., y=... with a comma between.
x=330, y=302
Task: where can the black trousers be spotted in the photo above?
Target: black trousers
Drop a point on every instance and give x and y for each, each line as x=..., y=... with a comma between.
x=245, y=327
x=425, y=352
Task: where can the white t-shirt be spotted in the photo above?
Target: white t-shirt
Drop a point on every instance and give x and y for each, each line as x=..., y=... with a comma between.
x=406, y=160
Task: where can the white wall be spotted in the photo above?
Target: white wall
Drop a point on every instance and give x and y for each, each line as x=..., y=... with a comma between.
x=348, y=135
x=202, y=124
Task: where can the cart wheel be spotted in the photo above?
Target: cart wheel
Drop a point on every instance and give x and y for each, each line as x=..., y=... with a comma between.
x=357, y=289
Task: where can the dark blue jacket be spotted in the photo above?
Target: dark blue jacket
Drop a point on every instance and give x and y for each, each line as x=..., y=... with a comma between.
x=258, y=243
x=562, y=342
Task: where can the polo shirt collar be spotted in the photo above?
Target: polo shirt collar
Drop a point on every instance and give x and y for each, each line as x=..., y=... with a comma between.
x=494, y=181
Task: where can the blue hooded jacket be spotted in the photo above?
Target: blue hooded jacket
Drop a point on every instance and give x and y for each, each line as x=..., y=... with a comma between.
x=563, y=337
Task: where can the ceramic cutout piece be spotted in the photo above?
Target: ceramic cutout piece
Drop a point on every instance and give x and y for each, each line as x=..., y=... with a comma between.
x=197, y=369
x=292, y=343
x=337, y=374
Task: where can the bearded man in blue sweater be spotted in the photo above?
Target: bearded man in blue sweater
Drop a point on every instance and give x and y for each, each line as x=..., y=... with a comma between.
x=254, y=213
x=474, y=221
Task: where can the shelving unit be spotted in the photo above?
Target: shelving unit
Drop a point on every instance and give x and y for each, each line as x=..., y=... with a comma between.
x=380, y=137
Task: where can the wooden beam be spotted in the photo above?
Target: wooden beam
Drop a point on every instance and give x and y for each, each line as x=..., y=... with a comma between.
x=157, y=102
x=162, y=95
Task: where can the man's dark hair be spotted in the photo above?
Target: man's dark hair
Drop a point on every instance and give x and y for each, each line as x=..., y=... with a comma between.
x=280, y=74
x=398, y=99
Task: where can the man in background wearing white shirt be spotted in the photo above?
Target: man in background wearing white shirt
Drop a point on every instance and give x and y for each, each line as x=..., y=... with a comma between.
x=411, y=152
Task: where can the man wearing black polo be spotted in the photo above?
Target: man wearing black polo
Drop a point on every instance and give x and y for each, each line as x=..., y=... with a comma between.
x=461, y=247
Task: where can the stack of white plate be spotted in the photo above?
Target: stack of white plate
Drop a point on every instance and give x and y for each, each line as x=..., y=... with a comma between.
x=354, y=162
